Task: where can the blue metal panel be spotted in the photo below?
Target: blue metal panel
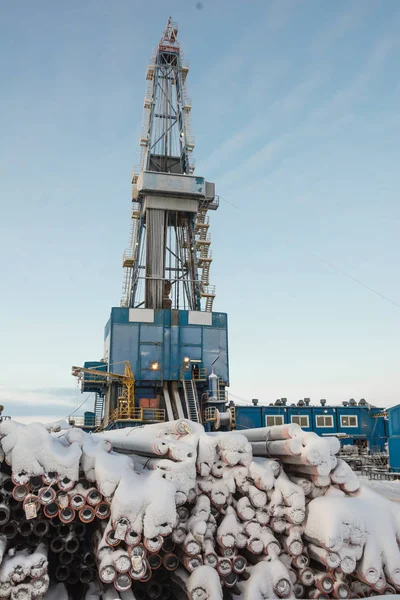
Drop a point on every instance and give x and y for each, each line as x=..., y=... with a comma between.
x=175, y=362
x=248, y=417
x=150, y=354
x=99, y=365
x=166, y=317
x=89, y=419
x=305, y=412
x=190, y=336
x=192, y=352
x=152, y=334
x=167, y=353
x=125, y=346
x=119, y=315
x=394, y=420
x=183, y=318
x=394, y=453
x=368, y=428
x=220, y=320
x=215, y=344
x=377, y=425
x=162, y=317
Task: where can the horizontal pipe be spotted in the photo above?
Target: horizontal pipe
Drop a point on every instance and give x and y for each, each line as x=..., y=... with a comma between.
x=51, y=510
x=87, y=514
x=102, y=510
x=65, y=557
x=66, y=515
x=62, y=573
x=10, y=529
x=86, y=574
x=4, y=514
x=122, y=582
x=57, y=545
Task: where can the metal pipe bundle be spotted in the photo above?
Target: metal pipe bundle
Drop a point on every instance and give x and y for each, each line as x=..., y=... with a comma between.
x=270, y=513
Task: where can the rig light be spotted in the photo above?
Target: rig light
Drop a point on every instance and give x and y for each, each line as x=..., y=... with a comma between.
x=155, y=366
x=186, y=359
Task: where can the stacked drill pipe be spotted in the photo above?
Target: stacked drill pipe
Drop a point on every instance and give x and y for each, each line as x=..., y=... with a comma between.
x=24, y=574
x=144, y=512
x=48, y=521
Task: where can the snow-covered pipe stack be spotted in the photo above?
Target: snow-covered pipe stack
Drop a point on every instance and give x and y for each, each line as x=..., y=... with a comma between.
x=137, y=513
x=23, y=574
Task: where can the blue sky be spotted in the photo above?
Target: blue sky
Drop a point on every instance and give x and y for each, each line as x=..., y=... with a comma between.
x=296, y=119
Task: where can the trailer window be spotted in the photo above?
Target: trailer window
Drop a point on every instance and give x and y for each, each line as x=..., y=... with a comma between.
x=301, y=420
x=271, y=420
x=324, y=421
x=348, y=421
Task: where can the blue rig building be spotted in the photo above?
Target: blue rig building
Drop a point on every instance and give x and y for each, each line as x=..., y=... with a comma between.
x=354, y=423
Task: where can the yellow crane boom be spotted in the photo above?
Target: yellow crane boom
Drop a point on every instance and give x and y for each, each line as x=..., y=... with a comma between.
x=126, y=401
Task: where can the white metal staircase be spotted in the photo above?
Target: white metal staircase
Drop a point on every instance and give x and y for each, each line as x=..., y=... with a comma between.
x=98, y=409
x=191, y=399
x=128, y=259
x=204, y=257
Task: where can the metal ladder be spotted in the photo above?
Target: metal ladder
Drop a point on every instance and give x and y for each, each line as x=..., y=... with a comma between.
x=190, y=392
x=128, y=258
x=98, y=409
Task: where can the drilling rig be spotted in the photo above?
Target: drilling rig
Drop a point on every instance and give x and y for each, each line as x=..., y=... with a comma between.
x=165, y=328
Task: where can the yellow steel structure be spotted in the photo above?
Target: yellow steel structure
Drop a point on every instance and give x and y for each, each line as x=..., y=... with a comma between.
x=126, y=401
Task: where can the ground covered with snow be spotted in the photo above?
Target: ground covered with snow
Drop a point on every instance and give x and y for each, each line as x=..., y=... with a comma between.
x=388, y=489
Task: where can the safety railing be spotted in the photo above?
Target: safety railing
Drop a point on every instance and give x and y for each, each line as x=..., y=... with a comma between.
x=208, y=291
x=221, y=391
x=128, y=258
x=204, y=254
x=82, y=422
x=143, y=415
x=202, y=237
x=202, y=221
x=214, y=204
x=199, y=374
x=232, y=410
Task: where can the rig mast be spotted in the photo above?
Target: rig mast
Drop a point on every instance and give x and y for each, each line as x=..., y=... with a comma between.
x=167, y=263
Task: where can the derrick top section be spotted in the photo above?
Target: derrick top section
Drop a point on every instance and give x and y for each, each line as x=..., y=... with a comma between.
x=169, y=42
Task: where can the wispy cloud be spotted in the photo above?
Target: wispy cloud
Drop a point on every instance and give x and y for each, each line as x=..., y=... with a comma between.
x=55, y=391
x=279, y=12
x=59, y=397
x=372, y=66
x=341, y=25
x=330, y=114
x=258, y=128
x=38, y=419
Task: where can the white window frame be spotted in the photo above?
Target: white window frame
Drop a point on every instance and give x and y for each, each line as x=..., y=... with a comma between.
x=275, y=417
x=330, y=417
x=348, y=417
x=300, y=417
